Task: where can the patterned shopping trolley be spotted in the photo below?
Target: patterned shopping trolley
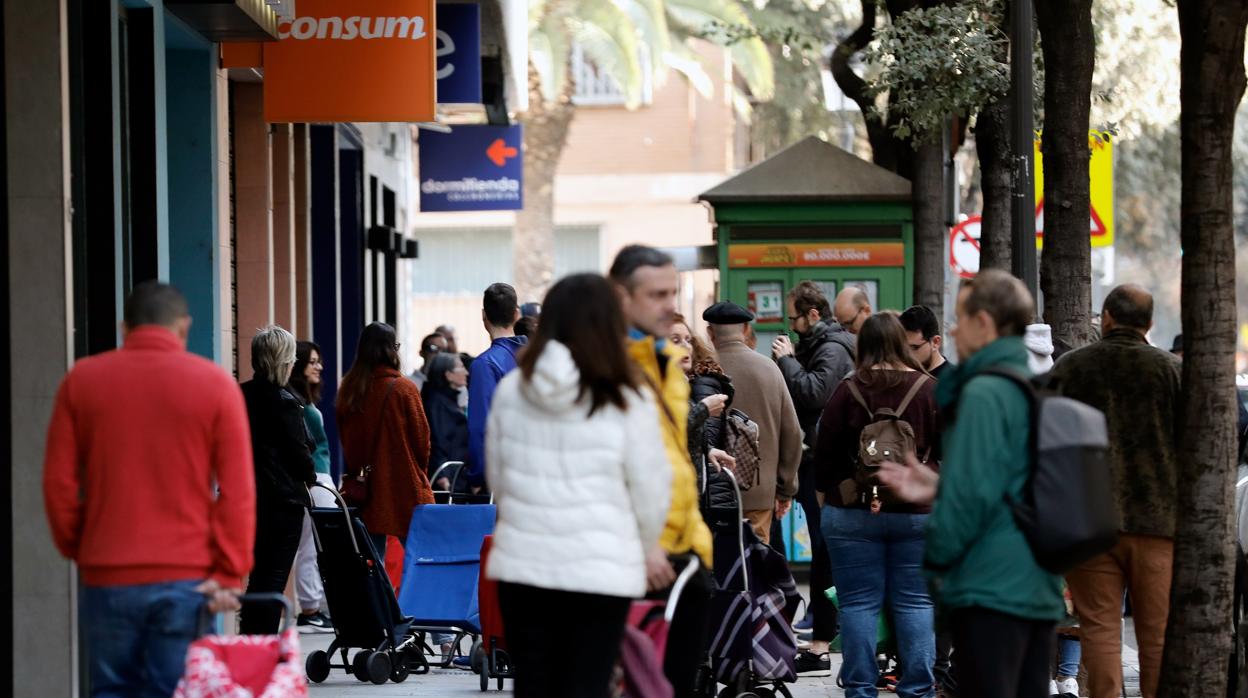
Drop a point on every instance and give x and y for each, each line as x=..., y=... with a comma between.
x=246, y=666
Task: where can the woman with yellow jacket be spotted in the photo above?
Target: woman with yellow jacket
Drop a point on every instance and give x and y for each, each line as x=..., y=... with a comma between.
x=647, y=283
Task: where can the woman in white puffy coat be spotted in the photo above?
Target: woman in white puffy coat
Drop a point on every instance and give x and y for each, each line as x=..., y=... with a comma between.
x=576, y=463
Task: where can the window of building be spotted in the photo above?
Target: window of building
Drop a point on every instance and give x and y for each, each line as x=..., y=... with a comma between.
x=596, y=88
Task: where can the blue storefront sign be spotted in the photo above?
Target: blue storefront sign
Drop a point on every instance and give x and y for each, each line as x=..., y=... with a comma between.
x=459, y=54
x=472, y=168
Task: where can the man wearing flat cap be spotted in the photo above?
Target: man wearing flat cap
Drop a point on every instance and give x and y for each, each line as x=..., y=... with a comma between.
x=762, y=395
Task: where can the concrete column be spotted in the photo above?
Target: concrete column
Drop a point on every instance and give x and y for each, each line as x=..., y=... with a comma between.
x=282, y=139
x=225, y=244
x=44, y=642
x=253, y=219
x=303, y=238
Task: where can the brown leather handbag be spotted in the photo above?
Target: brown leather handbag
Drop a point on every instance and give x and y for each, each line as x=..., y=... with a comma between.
x=356, y=486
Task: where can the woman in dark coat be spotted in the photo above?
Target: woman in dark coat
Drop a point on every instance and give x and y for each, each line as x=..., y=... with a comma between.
x=282, y=452
x=445, y=380
x=382, y=424
x=710, y=394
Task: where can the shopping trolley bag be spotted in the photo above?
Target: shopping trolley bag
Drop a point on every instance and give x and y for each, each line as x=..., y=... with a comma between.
x=246, y=666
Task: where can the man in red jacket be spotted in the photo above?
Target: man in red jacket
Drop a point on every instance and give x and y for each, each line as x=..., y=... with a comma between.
x=148, y=486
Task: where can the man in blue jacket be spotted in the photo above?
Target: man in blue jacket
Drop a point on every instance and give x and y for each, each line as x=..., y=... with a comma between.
x=500, y=311
x=1002, y=606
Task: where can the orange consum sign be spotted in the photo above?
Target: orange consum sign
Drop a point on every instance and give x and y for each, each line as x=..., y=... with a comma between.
x=821, y=254
x=353, y=60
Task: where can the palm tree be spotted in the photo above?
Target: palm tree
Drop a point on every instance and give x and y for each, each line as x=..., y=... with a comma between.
x=613, y=35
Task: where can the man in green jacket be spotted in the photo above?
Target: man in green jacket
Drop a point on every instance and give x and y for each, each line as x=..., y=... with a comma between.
x=1002, y=607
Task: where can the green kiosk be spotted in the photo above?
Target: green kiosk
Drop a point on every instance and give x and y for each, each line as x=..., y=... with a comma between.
x=812, y=212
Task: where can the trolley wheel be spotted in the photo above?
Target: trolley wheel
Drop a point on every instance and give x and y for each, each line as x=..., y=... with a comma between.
x=782, y=690
x=486, y=670
x=477, y=655
x=378, y=668
x=762, y=692
x=359, y=665
x=500, y=683
x=400, y=668
x=317, y=666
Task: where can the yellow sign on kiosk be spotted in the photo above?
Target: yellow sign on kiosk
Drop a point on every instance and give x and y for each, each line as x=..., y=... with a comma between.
x=1101, y=187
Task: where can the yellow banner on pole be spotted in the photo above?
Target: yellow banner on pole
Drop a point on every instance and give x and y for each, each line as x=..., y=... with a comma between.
x=1101, y=187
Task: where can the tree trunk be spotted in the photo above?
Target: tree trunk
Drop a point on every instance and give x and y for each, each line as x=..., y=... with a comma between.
x=1066, y=266
x=886, y=151
x=545, y=135
x=927, y=191
x=1198, y=638
x=992, y=146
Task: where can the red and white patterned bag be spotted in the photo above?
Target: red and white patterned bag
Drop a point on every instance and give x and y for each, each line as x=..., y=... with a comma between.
x=244, y=666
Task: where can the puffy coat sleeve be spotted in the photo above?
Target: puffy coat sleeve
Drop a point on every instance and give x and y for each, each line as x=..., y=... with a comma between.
x=647, y=472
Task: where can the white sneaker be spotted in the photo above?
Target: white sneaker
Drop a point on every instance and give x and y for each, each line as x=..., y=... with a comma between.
x=1068, y=688
x=1053, y=689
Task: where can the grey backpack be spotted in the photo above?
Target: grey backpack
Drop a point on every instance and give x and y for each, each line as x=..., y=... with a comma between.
x=1067, y=510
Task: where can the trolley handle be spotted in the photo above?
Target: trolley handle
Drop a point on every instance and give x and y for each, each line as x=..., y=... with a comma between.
x=678, y=588
x=345, y=512
x=267, y=597
x=745, y=566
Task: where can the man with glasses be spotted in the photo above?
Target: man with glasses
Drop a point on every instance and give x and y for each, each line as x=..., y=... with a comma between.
x=852, y=308
x=923, y=336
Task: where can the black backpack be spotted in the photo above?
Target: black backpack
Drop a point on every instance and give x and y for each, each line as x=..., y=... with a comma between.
x=1067, y=512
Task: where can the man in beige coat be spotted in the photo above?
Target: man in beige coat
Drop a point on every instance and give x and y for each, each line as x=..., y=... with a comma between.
x=763, y=396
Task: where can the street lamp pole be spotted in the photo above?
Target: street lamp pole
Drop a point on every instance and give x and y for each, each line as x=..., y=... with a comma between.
x=1023, y=210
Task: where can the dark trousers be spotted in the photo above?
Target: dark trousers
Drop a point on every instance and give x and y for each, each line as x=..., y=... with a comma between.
x=278, y=530
x=688, y=636
x=944, y=670
x=534, y=618
x=1002, y=656
x=820, y=565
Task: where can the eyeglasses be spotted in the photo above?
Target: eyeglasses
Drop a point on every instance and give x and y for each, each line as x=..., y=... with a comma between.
x=795, y=318
x=920, y=345
x=398, y=346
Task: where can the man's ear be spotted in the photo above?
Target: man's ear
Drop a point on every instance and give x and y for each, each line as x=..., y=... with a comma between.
x=937, y=341
x=516, y=318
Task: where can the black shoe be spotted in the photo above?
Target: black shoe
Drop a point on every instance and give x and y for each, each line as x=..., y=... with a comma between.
x=814, y=665
x=315, y=623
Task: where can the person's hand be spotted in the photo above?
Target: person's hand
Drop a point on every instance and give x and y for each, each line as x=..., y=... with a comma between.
x=821, y=498
x=715, y=404
x=442, y=484
x=720, y=458
x=659, y=571
x=913, y=482
x=782, y=507
x=782, y=347
x=220, y=599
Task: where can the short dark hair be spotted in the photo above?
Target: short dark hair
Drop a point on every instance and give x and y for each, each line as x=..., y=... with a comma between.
x=807, y=296
x=920, y=318
x=1006, y=300
x=634, y=257
x=155, y=303
x=1130, y=306
x=501, y=303
x=583, y=313
x=429, y=345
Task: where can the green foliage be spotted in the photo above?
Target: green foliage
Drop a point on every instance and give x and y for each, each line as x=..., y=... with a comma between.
x=949, y=59
x=613, y=34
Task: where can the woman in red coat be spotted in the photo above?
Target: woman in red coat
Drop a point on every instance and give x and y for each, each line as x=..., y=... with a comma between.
x=381, y=422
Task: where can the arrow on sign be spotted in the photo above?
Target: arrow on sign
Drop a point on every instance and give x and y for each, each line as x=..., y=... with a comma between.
x=499, y=152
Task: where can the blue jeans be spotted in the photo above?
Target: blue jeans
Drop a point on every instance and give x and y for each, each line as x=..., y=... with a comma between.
x=879, y=557
x=1069, y=653
x=137, y=636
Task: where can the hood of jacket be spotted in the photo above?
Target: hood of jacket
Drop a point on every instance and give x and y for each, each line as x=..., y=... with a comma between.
x=555, y=385
x=1038, y=339
x=823, y=332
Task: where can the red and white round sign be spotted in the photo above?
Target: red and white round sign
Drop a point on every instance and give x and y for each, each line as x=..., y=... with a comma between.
x=964, y=248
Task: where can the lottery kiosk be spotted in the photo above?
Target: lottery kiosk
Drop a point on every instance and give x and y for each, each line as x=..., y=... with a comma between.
x=812, y=212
